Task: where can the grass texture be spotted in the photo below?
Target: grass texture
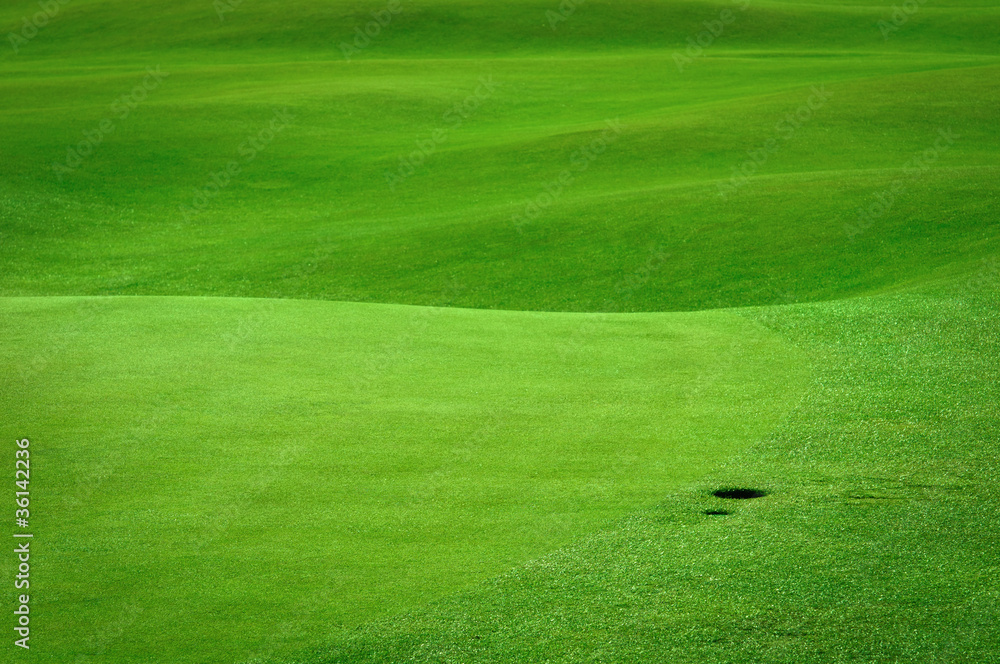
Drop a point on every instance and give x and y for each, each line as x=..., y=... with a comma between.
x=433, y=346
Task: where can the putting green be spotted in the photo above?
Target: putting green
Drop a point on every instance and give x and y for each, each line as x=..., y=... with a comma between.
x=236, y=476
x=876, y=541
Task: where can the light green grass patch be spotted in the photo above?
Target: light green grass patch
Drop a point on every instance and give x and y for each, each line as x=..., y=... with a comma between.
x=242, y=475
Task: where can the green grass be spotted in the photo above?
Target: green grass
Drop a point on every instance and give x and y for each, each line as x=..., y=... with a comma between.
x=377, y=455
x=875, y=543
x=326, y=419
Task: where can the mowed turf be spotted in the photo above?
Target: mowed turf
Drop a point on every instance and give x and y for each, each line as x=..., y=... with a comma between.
x=324, y=208
x=287, y=464
x=239, y=476
x=876, y=543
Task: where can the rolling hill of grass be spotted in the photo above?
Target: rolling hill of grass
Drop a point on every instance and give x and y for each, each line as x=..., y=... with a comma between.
x=432, y=346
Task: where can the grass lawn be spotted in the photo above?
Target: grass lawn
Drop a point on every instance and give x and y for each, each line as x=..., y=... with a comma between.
x=432, y=345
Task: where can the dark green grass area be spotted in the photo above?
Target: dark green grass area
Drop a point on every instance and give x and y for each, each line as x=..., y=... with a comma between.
x=312, y=215
x=462, y=28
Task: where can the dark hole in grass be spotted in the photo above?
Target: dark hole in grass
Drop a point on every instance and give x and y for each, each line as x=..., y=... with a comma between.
x=739, y=494
x=716, y=512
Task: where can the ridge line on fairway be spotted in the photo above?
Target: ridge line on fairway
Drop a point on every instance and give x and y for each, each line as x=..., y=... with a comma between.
x=444, y=219
x=610, y=315
x=699, y=106
x=962, y=62
x=357, y=303
x=819, y=5
x=806, y=176
x=661, y=116
x=28, y=66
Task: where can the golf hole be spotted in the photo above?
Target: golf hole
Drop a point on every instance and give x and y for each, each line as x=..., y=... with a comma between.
x=739, y=494
x=716, y=512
